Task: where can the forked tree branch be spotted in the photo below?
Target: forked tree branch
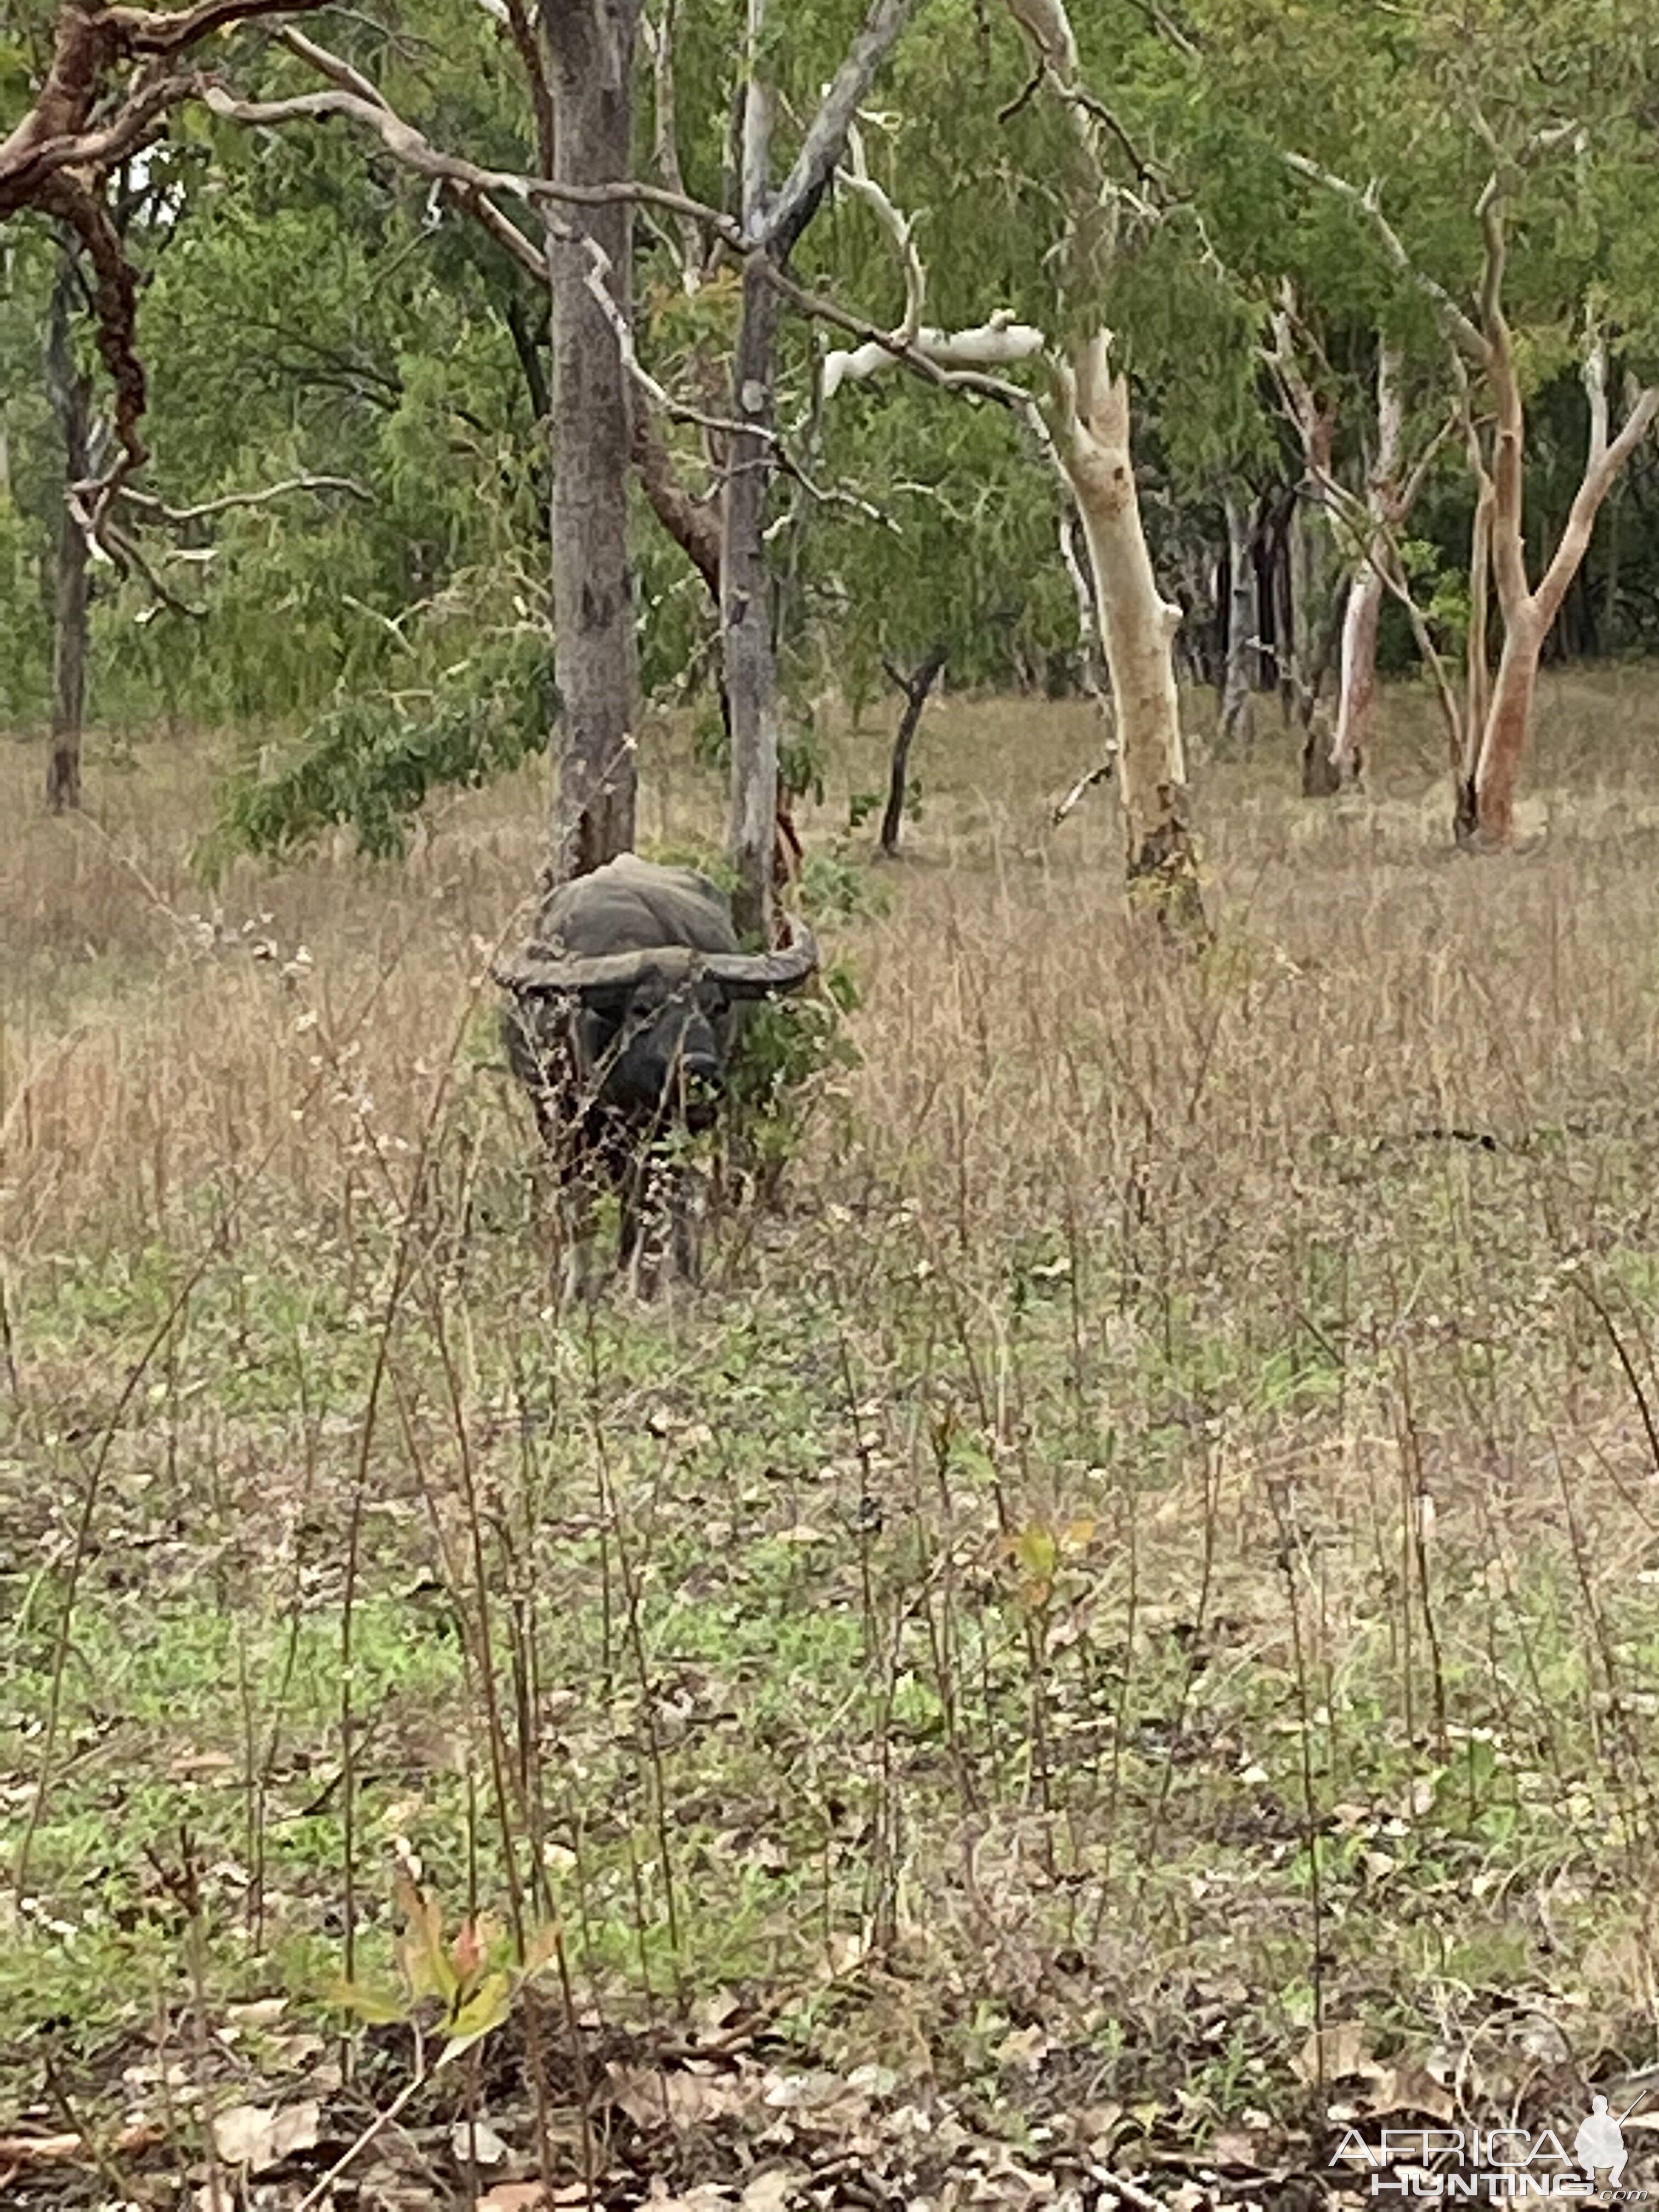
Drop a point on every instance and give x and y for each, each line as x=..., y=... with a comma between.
x=1603, y=465
x=114, y=289
x=916, y=358
x=901, y=228
x=147, y=31
x=411, y=147
x=30, y=158
x=64, y=128
x=1459, y=327
x=789, y=210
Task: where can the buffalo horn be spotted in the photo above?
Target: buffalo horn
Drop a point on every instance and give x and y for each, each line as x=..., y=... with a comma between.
x=755, y=975
x=540, y=969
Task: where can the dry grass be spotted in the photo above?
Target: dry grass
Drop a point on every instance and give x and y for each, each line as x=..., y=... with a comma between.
x=146, y=1024
x=1212, y=1395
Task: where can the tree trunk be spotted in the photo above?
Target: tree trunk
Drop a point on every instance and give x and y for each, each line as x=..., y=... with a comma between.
x=1137, y=628
x=71, y=400
x=751, y=676
x=1311, y=593
x=1266, y=553
x=915, y=688
x=68, y=664
x=1504, y=737
x=591, y=66
x=1528, y=615
x=1607, y=621
x=695, y=527
x=1238, y=705
x=1356, y=693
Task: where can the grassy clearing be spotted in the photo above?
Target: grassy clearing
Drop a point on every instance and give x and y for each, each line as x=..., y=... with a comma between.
x=1155, y=1545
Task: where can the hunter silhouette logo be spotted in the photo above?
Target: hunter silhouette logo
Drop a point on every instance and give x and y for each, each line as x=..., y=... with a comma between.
x=1601, y=2142
x=1495, y=2165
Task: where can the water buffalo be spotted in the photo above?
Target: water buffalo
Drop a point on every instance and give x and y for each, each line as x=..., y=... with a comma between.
x=623, y=1013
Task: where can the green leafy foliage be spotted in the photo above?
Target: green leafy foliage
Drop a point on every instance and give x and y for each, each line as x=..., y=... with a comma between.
x=787, y=1049
x=469, y=1980
x=371, y=760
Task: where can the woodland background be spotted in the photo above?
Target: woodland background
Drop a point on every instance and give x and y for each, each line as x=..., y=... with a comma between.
x=1115, y=1636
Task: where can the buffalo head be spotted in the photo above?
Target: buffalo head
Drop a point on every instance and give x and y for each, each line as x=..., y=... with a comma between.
x=623, y=1012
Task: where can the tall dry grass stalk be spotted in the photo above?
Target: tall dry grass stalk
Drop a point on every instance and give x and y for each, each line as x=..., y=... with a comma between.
x=1269, y=1335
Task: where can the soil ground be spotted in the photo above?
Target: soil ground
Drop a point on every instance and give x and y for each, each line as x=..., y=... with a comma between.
x=1113, y=1639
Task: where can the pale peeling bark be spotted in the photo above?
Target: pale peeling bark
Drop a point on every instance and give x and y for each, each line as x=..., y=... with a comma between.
x=994, y=345
x=1493, y=726
x=1528, y=614
x=591, y=73
x=1386, y=501
x=1137, y=628
x=1091, y=439
x=1355, y=693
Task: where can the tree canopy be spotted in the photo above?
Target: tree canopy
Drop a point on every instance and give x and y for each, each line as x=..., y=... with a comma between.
x=347, y=374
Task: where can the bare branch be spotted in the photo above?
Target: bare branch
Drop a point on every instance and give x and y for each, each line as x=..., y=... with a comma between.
x=146, y=503
x=141, y=31
x=596, y=280
x=1167, y=28
x=693, y=524
x=511, y=17
x=974, y=382
x=411, y=147
x=29, y=158
x=471, y=197
x=474, y=185
x=659, y=44
x=1147, y=170
x=1047, y=26
x=1047, y=31
x=1296, y=392
x=1458, y=327
x=999, y=343
x=1025, y=96
x=528, y=49
x=501, y=227
x=901, y=228
x=122, y=549
x=1602, y=467
x=333, y=66
x=1489, y=211
x=1100, y=773
x=755, y=162
x=115, y=307
x=1418, y=476
x=791, y=207
x=831, y=495
x=1432, y=659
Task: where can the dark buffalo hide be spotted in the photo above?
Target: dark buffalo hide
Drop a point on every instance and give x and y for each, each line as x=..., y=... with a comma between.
x=623, y=1014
